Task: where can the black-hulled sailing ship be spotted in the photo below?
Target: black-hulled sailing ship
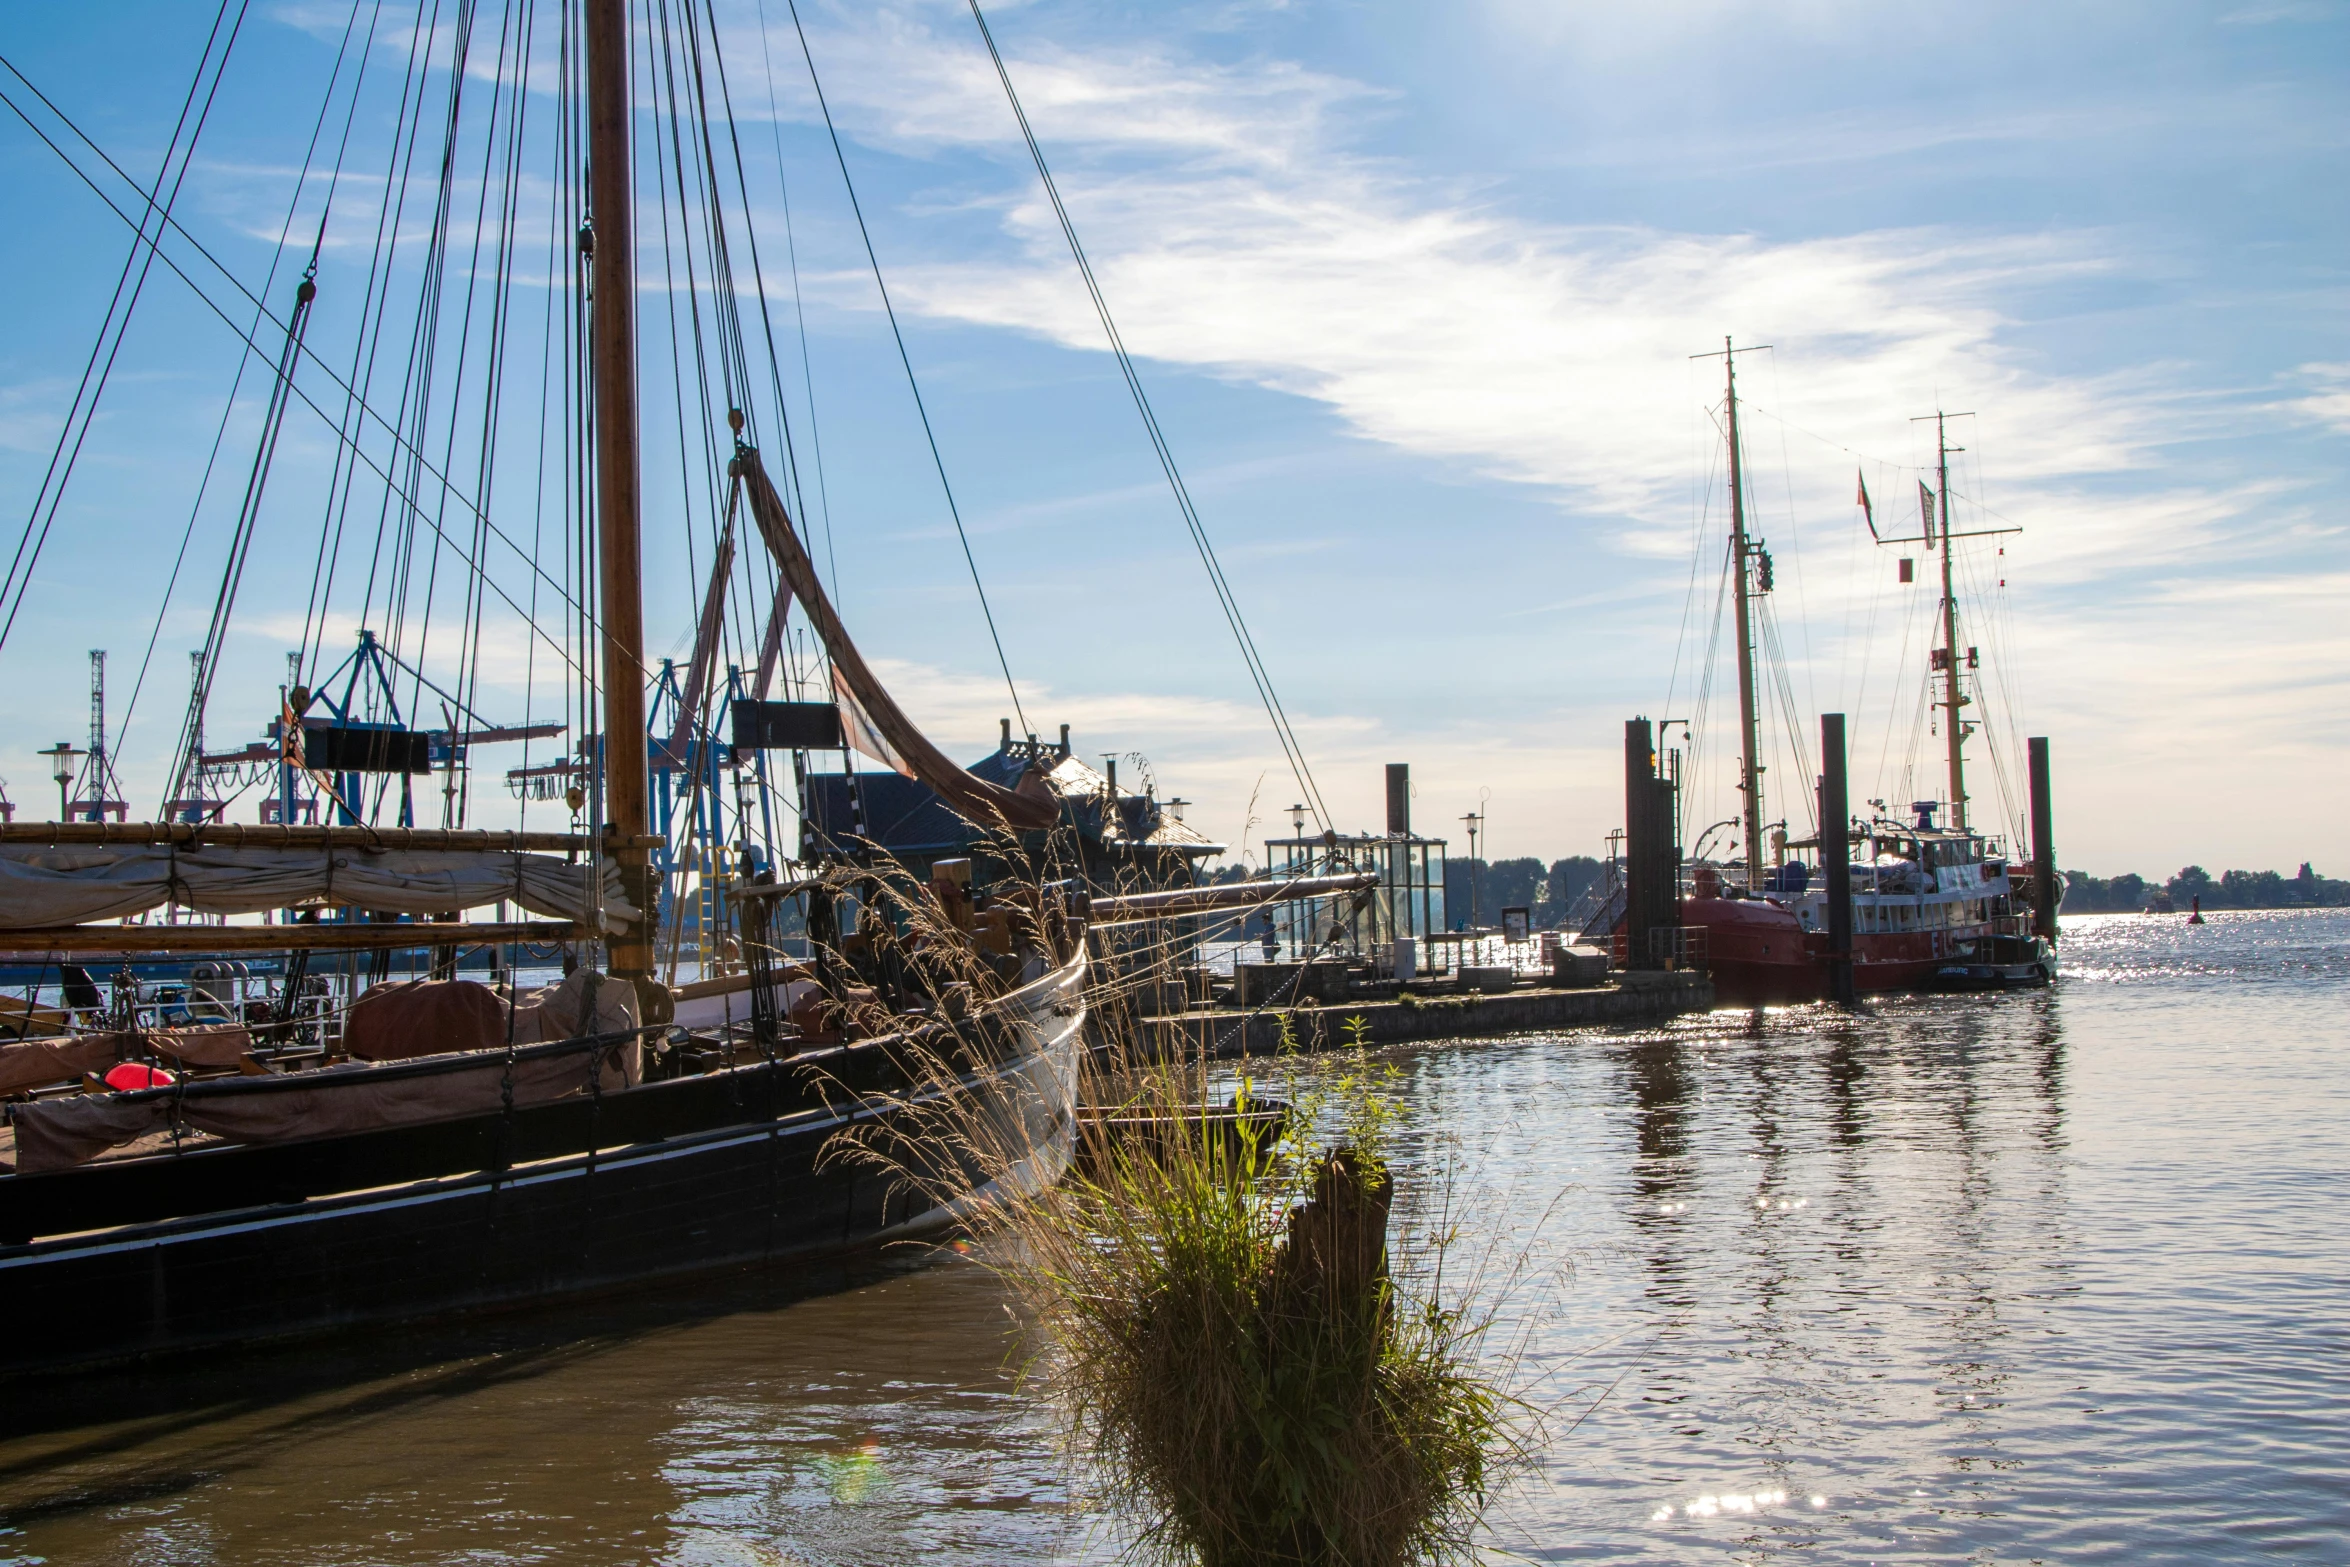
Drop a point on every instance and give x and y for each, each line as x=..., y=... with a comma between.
x=335, y=1154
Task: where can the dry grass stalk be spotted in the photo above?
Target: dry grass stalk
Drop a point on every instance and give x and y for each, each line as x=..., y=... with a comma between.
x=1241, y=1367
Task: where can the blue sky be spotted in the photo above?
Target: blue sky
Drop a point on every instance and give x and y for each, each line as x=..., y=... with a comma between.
x=1414, y=290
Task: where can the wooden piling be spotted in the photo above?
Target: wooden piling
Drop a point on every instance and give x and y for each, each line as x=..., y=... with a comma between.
x=1836, y=855
x=1652, y=903
x=2047, y=889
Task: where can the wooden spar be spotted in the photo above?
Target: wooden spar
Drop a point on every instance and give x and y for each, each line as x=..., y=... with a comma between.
x=1952, y=699
x=67, y=940
x=233, y=835
x=1749, y=721
x=704, y=667
x=982, y=803
x=1836, y=855
x=612, y=277
x=1232, y=895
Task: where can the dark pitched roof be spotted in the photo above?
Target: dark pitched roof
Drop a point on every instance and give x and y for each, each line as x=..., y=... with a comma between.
x=905, y=817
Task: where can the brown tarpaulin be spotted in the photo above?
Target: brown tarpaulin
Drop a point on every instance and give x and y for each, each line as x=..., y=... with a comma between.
x=202, y=1046
x=53, y=1134
x=975, y=799
x=429, y=1017
x=40, y=1061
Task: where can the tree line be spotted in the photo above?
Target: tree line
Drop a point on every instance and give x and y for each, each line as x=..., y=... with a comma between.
x=1558, y=894
x=1554, y=893
x=2128, y=894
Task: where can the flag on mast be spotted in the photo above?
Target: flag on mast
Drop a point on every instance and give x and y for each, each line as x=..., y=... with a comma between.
x=1926, y=510
x=1868, y=512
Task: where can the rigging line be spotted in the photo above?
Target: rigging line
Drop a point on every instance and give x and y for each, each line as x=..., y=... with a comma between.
x=1909, y=625
x=1858, y=456
x=248, y=515
x=1794, y=735
x=468, y=677
x=1811, y=683
x=1258, y=673
x=424, y=319
x=61, y=460
x=1868, y=643
x=1699, y=748
x=857, y=207
x=720, y=283
x=458, y=808
x=800, y=313
x=547, y=351
x=725, y=297
x=374, y=301
x=753, y=605
x=751, y=235
x=499, y=280
x=245, y=360
x=307, y=401
x=402, y=446
x=1703, y=509
x=426, y=343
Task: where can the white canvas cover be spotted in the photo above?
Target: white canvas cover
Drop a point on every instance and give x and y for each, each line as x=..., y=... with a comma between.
x=72, y=884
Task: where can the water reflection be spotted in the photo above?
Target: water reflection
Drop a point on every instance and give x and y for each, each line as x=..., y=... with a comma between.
x=1994, y=1278
x=738, y=1425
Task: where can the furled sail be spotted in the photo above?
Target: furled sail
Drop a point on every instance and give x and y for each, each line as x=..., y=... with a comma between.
x=1029, y=807
x=44, y=885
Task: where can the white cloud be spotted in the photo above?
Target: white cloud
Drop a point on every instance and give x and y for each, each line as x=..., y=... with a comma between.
x=2329, y=405
x=1251, y=244
x=1243, y=239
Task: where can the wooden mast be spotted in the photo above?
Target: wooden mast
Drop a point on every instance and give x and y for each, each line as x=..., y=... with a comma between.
x=612, y=281
x=1749, y=721
x=1952, y=698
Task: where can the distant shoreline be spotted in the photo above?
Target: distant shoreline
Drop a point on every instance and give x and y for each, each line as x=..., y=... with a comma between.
x=2195, y=887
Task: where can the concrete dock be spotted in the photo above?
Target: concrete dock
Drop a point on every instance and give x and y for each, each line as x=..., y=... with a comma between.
x=1623, y=999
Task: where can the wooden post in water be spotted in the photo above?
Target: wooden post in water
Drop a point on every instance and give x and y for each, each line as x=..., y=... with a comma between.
x=1836, y=856
x=612, y=277
x=1650, y=901
x=2047, y=890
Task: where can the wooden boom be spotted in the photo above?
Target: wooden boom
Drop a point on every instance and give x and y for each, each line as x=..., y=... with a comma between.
x=1232, y=895
x=236, y=835
x=65, y=940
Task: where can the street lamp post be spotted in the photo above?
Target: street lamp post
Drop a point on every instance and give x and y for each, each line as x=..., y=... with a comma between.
x=1474, y=820
x=65, y=757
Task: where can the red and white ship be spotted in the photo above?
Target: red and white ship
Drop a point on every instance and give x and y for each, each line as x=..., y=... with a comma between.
x=1932, y=908
x=1934, y=905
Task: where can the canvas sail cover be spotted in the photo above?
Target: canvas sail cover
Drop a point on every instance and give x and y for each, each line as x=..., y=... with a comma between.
x=875, y=723
x=55, y=1134
x=44, y=885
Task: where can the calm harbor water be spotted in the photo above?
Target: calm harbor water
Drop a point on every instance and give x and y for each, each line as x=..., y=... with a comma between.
x=2054, y=1277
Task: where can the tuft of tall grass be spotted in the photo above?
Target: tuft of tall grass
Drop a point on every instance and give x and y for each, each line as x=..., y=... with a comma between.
x=1250, y=1338
x=1244, y=1363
